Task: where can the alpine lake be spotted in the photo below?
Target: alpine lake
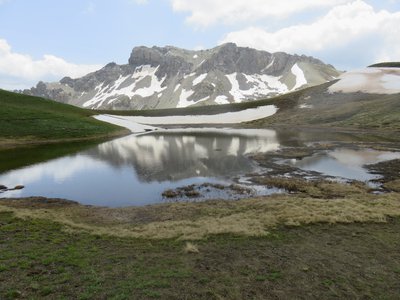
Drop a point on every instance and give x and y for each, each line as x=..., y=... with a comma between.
x=191, y=164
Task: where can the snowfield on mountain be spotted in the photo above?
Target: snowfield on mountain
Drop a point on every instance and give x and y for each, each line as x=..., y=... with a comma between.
x=370, y=81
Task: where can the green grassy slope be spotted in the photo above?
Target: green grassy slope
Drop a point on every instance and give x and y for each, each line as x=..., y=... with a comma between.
x=386, y=65
x=31, y=118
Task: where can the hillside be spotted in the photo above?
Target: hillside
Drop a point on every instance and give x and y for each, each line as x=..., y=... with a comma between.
x=32, y=119
x=366, y=99
x=386, y=65
x=170, y=77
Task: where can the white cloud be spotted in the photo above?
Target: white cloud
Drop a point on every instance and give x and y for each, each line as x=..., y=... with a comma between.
x=24, y=67
x=341, y=27
x=208, y=12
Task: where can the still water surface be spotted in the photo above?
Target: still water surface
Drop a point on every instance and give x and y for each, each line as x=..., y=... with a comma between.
x=136, y=169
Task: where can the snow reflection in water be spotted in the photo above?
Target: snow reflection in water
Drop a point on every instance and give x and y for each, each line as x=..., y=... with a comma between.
x=345, y=163
x=136, y=169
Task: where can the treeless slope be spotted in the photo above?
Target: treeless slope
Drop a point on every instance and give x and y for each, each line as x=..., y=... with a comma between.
x=33, y=119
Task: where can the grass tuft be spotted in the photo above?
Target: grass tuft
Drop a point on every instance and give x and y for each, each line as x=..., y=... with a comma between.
x=191, y=248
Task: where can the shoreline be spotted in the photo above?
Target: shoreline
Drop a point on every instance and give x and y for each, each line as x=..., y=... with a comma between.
x=6, y=144
x=197, y=220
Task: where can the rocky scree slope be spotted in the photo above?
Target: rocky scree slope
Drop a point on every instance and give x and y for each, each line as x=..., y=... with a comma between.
x=170, y=77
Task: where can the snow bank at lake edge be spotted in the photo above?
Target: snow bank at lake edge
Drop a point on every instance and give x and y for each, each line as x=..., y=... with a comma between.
x=138, y=124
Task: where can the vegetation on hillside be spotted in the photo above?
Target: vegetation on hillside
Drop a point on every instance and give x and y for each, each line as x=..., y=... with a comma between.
x=36, y=119
x=386, y=65
x=354, y=110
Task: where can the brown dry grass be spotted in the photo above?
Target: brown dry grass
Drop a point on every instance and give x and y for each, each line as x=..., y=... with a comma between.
x=191, y=248
x=316, y=189
x=393, y=185
x=251, y=217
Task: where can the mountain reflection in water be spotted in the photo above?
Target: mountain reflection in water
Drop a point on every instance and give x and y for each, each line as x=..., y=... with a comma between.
x=177, y=155
x=136, y=169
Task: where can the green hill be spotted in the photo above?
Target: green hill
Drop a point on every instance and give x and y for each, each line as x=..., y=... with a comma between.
x=26, y=119
x=386, y=65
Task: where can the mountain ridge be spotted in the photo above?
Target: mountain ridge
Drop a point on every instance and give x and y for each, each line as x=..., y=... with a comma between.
x=170, y=77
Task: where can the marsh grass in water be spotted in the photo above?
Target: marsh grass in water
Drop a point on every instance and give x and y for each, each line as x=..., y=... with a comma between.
x=317, y=188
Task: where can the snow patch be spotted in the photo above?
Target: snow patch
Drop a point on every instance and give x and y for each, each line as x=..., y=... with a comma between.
x=201, y=63
x=177, y=87
x=300, y=78
x=203, y=99
x=113, y=91
x=370, y=80
x=223, y=118
x=262, y=85
x=222, y=99
x=391, y=81
x=306, y=106
x=183, y=98
x=123, y=122
x=189, y=75
x=235, y=90
x=199, y=79
x=155, y=87
x=269, y=65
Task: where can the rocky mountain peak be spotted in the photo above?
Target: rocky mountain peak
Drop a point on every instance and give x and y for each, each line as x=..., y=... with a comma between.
x=167, y=77
x=145, y=56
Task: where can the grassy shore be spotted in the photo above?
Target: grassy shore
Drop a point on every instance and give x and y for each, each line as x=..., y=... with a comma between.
x=283, y=247
x=32, y=120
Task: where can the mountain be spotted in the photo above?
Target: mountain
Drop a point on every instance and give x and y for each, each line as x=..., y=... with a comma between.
x=170, y=77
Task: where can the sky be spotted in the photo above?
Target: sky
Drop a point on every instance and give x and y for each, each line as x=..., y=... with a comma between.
x=47, y=40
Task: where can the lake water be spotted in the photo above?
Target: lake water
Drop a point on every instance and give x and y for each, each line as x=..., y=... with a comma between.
x=135, y=170
x=345, y=163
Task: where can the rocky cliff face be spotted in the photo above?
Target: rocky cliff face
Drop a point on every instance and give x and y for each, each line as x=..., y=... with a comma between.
x=170, y=77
